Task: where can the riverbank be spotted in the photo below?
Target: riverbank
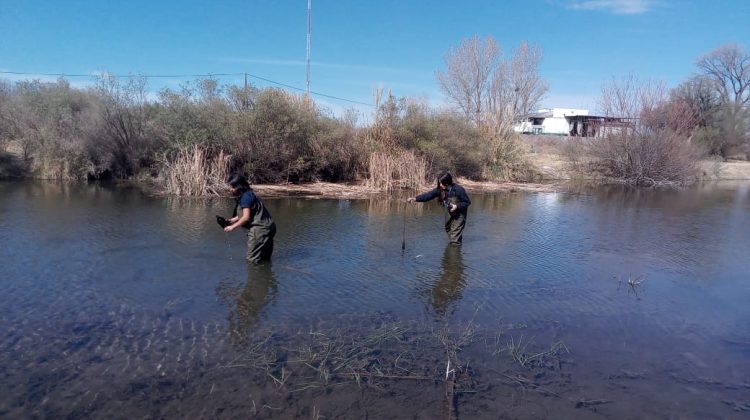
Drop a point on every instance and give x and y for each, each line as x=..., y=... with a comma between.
x=361, y=191
x=550, y=156
x=555, y=168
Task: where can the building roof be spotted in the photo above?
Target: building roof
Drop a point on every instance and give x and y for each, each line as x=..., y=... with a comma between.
x=557, y=113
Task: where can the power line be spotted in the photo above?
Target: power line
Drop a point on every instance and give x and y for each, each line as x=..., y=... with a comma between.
x=121, y=75
x=324, y=95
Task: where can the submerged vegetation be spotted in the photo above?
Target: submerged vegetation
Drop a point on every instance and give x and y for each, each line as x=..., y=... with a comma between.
x=394, y=354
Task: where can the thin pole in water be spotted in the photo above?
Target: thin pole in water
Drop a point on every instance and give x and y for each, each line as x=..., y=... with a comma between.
x=403, y=240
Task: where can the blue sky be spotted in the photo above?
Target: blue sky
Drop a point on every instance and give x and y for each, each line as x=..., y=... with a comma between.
x=357, y=44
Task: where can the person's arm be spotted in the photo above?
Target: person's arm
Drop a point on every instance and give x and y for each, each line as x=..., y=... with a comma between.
x=241, y=220
x=429, y=195
x=463, y=199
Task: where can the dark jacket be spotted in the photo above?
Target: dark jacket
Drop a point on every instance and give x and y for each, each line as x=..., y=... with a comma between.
x=454, y=195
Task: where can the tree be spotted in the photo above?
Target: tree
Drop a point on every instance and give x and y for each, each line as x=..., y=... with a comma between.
x=652, y=147
x=517, y=87
x=196, y=114
x=631, y=97
x=701, y=94
x=729, y=68
x=123, y=112
x=8, y=125
x=468, y=76
x=489, y=90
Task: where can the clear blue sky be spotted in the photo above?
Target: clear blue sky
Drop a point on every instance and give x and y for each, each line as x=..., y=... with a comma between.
x=358, y=44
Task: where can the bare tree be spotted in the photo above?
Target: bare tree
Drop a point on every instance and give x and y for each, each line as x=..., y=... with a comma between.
x=729, y=67
x=123, y=109
x=652, y=148
x=701, y=95
x=8, y=125
x=517, y=87
x=489, y=90
x=631, y=97
x=468, y=76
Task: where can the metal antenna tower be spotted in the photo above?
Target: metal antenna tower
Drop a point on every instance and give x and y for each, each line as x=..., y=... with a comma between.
x=309, y=28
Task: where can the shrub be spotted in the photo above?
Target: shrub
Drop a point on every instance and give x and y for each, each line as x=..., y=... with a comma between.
x=653, y=146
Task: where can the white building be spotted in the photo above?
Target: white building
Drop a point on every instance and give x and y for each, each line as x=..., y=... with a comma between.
x=558, y=121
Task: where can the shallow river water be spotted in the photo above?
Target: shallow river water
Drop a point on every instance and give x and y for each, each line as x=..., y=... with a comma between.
x=599, y=303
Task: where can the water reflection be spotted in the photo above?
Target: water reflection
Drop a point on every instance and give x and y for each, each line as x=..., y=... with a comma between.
x=112, y=291
x=259, y=290
x=451, y=282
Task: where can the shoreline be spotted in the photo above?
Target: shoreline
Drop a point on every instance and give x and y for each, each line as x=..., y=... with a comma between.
x=358, y=191
x=558, y=178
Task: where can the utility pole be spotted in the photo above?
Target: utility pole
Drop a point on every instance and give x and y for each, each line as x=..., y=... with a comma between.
x=309, y=29
x=244, y=94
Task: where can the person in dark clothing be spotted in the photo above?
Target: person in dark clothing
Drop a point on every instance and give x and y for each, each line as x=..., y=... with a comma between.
x=251, y=214
x=454, y=198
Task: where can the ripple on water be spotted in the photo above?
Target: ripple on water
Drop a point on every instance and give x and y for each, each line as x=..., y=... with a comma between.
x=122, y=303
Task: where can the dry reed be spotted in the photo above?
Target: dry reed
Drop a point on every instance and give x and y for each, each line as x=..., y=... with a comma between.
x=193, y=172
x=391, y=171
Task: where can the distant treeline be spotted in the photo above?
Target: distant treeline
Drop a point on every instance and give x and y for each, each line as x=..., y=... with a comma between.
x=112, y=130
x=186, y=140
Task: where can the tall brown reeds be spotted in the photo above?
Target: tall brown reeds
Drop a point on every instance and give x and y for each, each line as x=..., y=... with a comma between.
x=390, y=171
x=390, y=166
x=193, y=172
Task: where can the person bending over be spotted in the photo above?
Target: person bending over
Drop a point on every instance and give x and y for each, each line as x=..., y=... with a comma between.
x=454, y=198
x=251, y=214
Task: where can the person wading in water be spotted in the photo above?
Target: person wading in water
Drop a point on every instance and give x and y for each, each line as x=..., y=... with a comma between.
x=454, y=198
x=251, y=214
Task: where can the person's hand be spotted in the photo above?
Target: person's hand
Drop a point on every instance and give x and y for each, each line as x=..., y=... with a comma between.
x=453, y=208
x=229, y=228
x=411, y=200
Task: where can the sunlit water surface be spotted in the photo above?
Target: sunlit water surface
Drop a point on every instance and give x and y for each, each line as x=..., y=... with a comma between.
x=596, y=303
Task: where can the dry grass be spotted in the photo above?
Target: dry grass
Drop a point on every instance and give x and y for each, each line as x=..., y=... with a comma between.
x=316, y=190
x=389, y=166
x=713, y=170
x=397, y=170
x=61, y=168
x=494, y=187
x=518, y=350
x=192, y=172
x=362, y=191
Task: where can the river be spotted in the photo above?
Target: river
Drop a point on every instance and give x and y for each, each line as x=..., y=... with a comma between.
x=605, y=302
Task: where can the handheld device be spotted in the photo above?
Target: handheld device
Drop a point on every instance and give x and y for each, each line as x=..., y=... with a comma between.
x=222, y=221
